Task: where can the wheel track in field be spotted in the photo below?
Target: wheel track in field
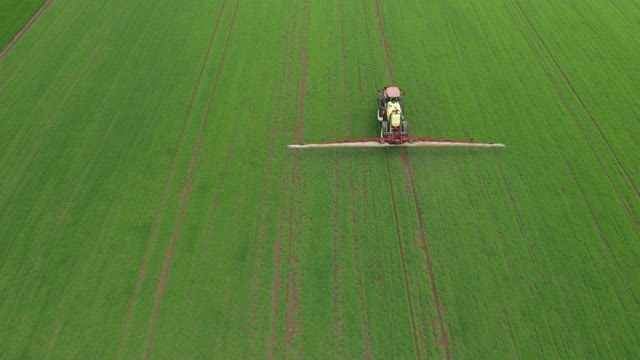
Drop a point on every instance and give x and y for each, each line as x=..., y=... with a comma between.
x=507, y=324
x=214, y=211
x=24, y=30
x=287, y=78
x=336, y=240
x=338, y=330
x=37, y=41
x=601, y=233
x=276, y=286
x=364, y=312
x=187, y=188
x=354, y=215
x=160, y=210
x=570, y=169
x=626, y=206
x=444, y=340
x=36, y=148
x=582, y=104
x=58, y=227
x=291, y=300
x=6, y=81
x=288, y=39
x=55, y=115
x=405, y=274
x=383, y=41
x=71, y=202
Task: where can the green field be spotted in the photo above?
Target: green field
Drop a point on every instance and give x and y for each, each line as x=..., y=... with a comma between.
x=149, y=206
x=14, y=14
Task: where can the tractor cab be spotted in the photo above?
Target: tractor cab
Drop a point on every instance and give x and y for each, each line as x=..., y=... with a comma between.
x=387, y=94
x=391, y=93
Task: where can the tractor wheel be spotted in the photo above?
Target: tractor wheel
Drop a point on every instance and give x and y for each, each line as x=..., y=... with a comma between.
x=405, y=127
x=384, y=128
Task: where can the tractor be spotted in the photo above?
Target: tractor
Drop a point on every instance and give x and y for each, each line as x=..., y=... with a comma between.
x=393, y=126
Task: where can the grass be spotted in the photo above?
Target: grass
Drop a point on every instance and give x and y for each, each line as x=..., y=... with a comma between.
x=14, y=14
x=149, y=205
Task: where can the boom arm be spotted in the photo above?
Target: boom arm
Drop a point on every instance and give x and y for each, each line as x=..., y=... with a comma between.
x=403, y=141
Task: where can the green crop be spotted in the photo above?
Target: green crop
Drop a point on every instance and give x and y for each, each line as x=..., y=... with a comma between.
x=149, y=205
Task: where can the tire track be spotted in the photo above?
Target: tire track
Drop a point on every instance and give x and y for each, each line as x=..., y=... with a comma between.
x=601, y=233
x=55, y=116
x=6, y=81
x=583, y=195
x=48, y=34
x=356, y=260
x=160, y=210
x=537, y=55
x=276, y=285
x=582, y=104
x=389, y=178
x=345, y=87
x=302, y=87
x=56, y=232
x=383, y=41
x=288, y=39
x=71, y=202
x=339, y=330
x=444, y=341
x=405, y=273
x=24, y=30
x=355, y=241
x=36, y=148
x=287, y=78
x=338, y=309
x=210, y=234
x=364, y=311
x=186, y=189
x=371, y=57
x=292, y=304
x=337, y=239
x=507, y=324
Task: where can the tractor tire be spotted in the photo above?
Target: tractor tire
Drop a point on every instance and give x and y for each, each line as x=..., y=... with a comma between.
x=405, y=127
x=384, y=128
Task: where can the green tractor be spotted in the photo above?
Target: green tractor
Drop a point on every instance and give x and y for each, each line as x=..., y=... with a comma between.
x=391, y=114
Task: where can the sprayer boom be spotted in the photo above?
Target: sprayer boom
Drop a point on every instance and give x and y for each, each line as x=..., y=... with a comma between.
x=394, y=142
